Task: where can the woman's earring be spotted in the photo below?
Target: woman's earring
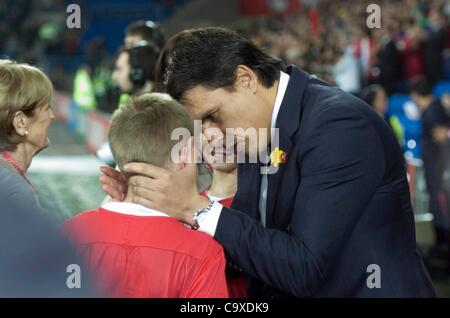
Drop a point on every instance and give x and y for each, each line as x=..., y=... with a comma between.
x=25, y=132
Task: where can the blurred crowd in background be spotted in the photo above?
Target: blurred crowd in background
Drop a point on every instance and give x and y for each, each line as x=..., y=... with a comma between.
x=329, y=39
x=32, y=31
x=332, y=41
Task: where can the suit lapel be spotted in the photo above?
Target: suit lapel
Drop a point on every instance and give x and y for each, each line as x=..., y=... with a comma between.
x=274, y=180
x=288, y=123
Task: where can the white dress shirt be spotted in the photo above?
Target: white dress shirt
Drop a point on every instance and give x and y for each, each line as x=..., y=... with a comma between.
x=131, y=209
x=208, y=223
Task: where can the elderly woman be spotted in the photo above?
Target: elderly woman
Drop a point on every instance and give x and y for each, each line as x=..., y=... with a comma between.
x=25, y=116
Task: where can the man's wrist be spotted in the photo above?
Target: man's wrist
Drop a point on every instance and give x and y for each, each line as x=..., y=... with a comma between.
x=198, y=202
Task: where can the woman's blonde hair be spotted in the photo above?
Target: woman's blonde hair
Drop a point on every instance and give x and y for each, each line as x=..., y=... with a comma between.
x=22, y=88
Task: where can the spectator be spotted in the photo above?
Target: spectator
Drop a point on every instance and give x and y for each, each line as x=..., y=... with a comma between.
x=144, y=31
x=434, y=120
x=434, y=46
x=135, y=66
x=25, y=117
x=347, y=72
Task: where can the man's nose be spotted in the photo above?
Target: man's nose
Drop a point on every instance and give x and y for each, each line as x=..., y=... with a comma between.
x=210, y=124
x=212, y=132
x=205, y=125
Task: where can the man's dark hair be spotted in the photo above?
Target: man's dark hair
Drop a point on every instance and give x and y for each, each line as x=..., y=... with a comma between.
x=422, y=87
x=164, y=59
x=149, y=31
x=210, y=57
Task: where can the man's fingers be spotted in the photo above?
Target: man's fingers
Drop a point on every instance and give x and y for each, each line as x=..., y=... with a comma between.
x=144, y=182
x=145, y=169
x=113, y=183
x=148, y=198
x=113, y=193
x=151, y=195
x=108, y=171
x=113, y=173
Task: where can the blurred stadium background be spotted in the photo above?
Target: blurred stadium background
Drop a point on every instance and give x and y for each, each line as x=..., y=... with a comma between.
x=327, y=38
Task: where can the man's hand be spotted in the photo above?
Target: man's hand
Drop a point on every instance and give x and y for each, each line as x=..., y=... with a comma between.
x=114, y=183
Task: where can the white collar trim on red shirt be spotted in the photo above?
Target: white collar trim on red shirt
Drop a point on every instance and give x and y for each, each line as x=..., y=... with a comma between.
x=131, y=209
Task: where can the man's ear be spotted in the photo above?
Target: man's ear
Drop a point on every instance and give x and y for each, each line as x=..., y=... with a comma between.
x=20, y=123
x=246, y=78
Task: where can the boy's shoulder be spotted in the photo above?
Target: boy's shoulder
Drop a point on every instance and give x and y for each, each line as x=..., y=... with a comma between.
x=163, y=233
x=188, y=241
x=80, y=218
x=80, y=224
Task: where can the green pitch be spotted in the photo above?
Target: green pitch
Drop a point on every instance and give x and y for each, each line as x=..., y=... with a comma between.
x=67, y=195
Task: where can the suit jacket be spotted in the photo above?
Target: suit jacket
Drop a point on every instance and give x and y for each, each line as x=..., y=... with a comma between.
x=338, y=206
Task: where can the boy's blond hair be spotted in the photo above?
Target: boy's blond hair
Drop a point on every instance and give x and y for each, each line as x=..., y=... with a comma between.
x=141, y=129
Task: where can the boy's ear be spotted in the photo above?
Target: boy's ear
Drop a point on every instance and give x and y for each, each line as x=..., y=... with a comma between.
x=184, y=157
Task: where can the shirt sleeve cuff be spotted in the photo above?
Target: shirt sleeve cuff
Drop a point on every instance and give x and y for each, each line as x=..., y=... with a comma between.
x=208, y=224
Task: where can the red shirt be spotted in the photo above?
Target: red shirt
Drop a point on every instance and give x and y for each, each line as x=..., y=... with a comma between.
x=148, y=256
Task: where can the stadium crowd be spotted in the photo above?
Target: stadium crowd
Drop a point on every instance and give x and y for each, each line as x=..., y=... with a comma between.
x=333, y=41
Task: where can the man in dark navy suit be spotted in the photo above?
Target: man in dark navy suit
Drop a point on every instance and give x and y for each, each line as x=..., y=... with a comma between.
x=335, y=220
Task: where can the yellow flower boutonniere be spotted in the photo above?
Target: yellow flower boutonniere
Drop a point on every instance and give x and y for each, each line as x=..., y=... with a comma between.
x=277, y=157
